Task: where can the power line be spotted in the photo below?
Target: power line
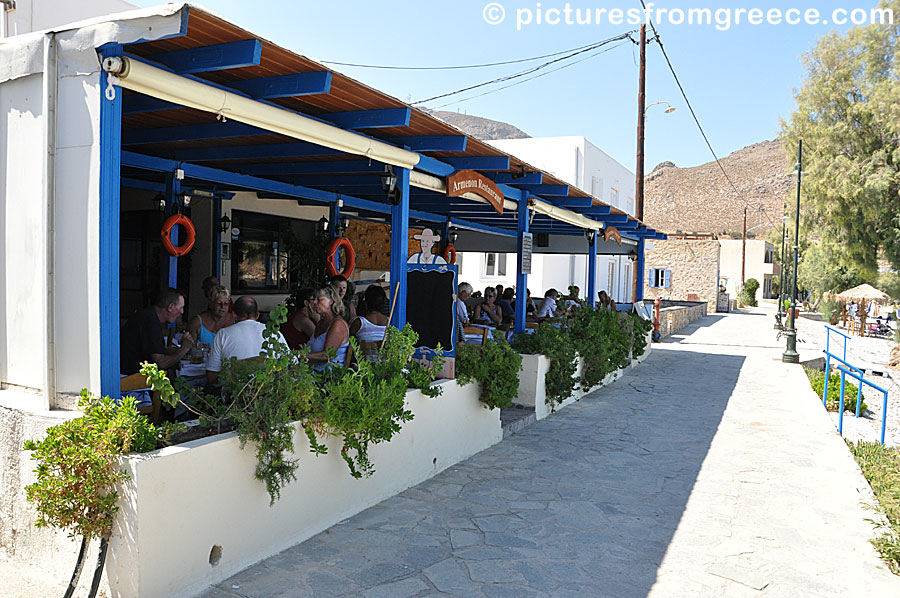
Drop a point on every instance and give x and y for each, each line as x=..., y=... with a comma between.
x=559, y=68
x=457, y=67
x=530, y=70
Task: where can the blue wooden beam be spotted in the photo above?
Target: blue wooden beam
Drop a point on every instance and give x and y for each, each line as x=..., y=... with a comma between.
x=574, y=202
x=433, y=166
x=246, y=152
x=213, y=130
x=431, y=143
x=217, y=57
x=161, y=188
x=522, y=227
x=109, y=231
x=369, y=119
x=285, y=86
x=136, y=103
x=312, y=168
x=399, y=249
x=639, y=272
x=592, y=269
x=557, y=190
x=479, y=163
x=614, y=218
x=371, y=181
x=512, y=178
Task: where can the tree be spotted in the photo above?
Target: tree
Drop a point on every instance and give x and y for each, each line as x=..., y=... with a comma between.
x=848, y=116
x=819, y=271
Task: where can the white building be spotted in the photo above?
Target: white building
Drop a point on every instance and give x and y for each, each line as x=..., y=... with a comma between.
x=579, y=162
x=758, y=262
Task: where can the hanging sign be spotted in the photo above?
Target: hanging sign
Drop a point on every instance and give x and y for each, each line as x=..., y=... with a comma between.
x=526, y=253
x=469, y=181
x=612, y=232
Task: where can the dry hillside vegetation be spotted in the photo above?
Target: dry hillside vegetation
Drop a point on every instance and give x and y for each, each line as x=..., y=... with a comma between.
x=700, y=199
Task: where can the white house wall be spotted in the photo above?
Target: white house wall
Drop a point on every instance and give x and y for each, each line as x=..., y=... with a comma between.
x=22, y=280
x=37, y=15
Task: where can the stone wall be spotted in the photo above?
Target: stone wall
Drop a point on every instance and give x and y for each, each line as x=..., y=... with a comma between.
x=673, y=319
x=694, y=267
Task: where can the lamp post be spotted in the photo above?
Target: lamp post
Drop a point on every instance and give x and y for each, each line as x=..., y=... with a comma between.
x=790, y=354
x=778, y=324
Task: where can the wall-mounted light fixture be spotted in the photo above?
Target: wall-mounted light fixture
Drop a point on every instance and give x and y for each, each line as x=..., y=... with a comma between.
x=590, y=235
x=389, y=184
x=323, y=224
x=341, y=226
x=452, y=235
x=224, y=223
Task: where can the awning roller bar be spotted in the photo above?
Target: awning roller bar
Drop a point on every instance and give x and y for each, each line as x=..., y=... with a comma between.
x=159, y=83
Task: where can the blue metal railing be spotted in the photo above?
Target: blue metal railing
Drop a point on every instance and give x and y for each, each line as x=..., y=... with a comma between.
x=858, y=377
x=828, y=357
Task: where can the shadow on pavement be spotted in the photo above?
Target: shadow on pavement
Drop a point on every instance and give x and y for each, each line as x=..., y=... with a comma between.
x=583, y=503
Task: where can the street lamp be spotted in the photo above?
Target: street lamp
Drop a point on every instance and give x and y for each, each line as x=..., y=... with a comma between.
x=669, y=108
x=790, y=354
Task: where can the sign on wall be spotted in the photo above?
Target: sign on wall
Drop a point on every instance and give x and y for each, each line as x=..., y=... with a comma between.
x=526, y=242
x=612, y=232
x=469, y=181
x=430, y=307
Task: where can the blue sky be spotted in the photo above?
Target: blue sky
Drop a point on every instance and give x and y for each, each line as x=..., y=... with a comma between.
x=739, y=80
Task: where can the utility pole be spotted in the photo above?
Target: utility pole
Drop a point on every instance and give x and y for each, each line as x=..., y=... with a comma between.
x=790, y=354
x=744, y=249
x=639, y=169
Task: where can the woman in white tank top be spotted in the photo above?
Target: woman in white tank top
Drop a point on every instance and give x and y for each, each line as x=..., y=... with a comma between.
x=371, y=327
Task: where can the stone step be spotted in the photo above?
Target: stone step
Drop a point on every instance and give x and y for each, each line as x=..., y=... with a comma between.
x=515, y=419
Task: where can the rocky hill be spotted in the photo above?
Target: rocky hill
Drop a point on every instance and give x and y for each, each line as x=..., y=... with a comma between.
x=700, y=199
x=480, y=128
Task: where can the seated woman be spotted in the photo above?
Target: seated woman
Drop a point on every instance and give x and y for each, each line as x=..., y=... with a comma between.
x=488, y=312
x=530, y=307
x=548, y=305
x=505, y=303
x=603, y=302
x=344, y=289
x=205, y=325
x=370, y=328
x=331, y=332
x=301, y=325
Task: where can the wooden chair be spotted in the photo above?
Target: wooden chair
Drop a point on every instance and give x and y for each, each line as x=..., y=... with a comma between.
x=140, y=382
x=532, y=325
x=476, y=331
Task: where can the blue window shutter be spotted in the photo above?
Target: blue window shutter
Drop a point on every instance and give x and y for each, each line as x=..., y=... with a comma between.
x=650, y=277
x=666, y=278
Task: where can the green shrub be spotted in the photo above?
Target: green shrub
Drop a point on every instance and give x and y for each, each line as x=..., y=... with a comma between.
x=831, y=310
x=603, y=339
x=494, y=365
x=558, y=345
x=640, y=328
x=747, y=295
x=77, y=469
x=881, y=467
x=817, y=381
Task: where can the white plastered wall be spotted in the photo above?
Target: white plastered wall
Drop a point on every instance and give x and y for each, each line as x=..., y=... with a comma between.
x=22, y=280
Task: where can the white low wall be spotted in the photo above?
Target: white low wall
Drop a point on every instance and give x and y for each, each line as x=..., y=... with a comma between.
x=182, y=501
x=532, y=390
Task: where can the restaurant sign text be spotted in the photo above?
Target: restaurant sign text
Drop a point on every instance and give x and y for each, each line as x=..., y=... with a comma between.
x=469, y=181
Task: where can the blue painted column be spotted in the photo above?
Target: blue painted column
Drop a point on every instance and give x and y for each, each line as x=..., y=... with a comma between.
x=521, y=279
x=110, y=187
x=400, y=248
x=334, y=216
x=639, y=272
x=217, y=238
x=592, y=269
x=173, y=190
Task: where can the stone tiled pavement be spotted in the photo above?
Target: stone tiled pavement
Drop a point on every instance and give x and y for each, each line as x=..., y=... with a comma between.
x=709, y=470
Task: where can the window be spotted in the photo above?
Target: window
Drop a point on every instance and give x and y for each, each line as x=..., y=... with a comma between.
x=597, y=187
x=614, y=196
x=260, y=259
x=770, y=256
x=494, y=265
x=611, y=279
x=628, y=282
x=629, y=205
x=658, y=278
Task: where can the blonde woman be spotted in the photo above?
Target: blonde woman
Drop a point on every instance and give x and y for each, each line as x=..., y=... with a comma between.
x=205, y=325
x=332, y=331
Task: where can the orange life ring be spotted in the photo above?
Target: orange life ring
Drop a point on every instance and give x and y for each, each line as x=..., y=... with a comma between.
x=450, y=254
x=188, y=244
x=333, y=249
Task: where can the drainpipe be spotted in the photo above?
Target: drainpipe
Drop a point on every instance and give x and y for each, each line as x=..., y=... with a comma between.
x=50, y=82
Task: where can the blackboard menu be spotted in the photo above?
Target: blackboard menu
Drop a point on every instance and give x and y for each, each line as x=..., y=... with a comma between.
x=430, y=308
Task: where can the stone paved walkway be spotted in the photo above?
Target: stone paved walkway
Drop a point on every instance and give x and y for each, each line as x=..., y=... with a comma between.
x=709, y=470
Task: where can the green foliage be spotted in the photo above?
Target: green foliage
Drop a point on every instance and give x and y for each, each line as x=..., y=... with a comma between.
x=306, y=262
x=640, y=328
x=817, y=381
x=554, y=342
x=603, y=339
x=396, y=355
x=831, y=310
x=821, y=271
x=77, y=469
x=848, y=116
x=494, y=365
x=367, y=406
x=881, y=467
x=747, y=295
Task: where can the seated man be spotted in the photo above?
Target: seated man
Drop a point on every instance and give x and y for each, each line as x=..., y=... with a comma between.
x=463, y=292
x=241, y=340
x=548, y=306
x=142, y=336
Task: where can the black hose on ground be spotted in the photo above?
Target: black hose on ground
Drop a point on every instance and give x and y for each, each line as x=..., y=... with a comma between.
x=98, y=571
x=79, y=565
